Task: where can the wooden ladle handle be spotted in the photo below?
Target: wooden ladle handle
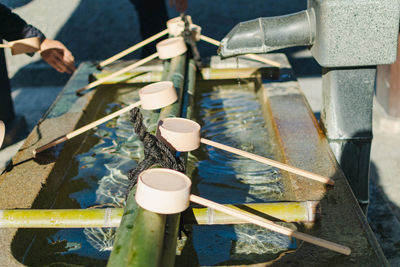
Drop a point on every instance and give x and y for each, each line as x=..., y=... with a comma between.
x=132, y=48
x=271, y=162
x=117, y=73
x=251, y=218
x=85, y=128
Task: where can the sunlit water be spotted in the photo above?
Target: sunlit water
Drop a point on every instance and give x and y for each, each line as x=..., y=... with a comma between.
x=228, y=115
x=99, y=180
x=232, y=115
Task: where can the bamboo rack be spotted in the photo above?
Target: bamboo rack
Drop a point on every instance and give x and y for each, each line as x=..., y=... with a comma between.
x=111, y=217
x=131, y=77
x=207, y=73
x=60, y=218
x=284, y=211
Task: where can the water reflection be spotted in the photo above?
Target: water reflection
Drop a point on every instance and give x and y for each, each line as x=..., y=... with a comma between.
x=233, y=116
x=98, y=178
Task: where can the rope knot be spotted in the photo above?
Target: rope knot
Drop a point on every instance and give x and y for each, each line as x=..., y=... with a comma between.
x=155, y=151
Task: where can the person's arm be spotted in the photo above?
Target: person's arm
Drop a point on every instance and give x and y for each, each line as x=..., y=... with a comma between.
x=180, y=5
x=12, y=27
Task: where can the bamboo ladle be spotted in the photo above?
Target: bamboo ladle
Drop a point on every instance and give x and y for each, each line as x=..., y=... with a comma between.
x=176, y=26
x=172, y=27
x=166, y=49
x=184, y=135
x=2, y=132
x=152, y=96
x=22, y=46
x=167, y=191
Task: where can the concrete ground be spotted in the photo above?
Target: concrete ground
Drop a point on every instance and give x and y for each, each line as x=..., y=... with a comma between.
x=96, y=29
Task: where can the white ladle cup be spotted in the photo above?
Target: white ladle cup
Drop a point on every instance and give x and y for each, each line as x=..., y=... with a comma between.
x=176, y=26
x=152, y=96
x=22, y=46
x=171, y=29
x=184, y=135
x=167, y=191
x=163, y=191
x=166, y=49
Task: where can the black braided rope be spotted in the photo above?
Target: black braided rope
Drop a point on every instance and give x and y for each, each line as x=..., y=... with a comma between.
x=155, y=151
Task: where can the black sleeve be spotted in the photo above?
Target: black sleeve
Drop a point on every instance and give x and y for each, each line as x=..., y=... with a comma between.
x=12, y=27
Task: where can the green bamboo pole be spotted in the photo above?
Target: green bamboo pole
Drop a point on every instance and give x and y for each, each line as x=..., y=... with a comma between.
x=132, y=77
x=177, y=76
x=171, y=235
x=218, y=74
x=283, y=211
x=60, y=218
x=207, y=74
x=152, y=127
x=140, y=237
x=111, y=217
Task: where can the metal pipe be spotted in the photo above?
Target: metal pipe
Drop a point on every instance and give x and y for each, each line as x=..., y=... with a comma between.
x=267, y=34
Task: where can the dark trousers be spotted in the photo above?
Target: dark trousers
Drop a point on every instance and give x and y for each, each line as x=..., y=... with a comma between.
x=153, y=16
x=7, y=113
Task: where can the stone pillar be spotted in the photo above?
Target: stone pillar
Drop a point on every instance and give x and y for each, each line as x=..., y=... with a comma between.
x=346, y=117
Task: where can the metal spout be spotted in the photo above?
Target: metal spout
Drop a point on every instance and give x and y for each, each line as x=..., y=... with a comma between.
x=267, y=34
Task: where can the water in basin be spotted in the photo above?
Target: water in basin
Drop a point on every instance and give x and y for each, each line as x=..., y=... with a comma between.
x=231, y=114
x=97, y=177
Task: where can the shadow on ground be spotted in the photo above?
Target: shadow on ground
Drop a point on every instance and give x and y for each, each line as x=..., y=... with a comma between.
x=383, y=218
x=15, y=3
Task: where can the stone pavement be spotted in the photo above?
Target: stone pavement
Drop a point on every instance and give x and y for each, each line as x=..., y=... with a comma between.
x=96, y=29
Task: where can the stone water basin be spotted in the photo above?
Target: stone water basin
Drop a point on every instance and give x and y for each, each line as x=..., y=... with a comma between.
x=260, y=114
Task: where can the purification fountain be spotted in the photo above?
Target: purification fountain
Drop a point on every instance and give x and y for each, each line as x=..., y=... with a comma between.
x=247, y=105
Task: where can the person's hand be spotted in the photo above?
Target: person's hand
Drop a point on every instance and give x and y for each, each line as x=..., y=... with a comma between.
x=180, y=5
x=57, y=56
